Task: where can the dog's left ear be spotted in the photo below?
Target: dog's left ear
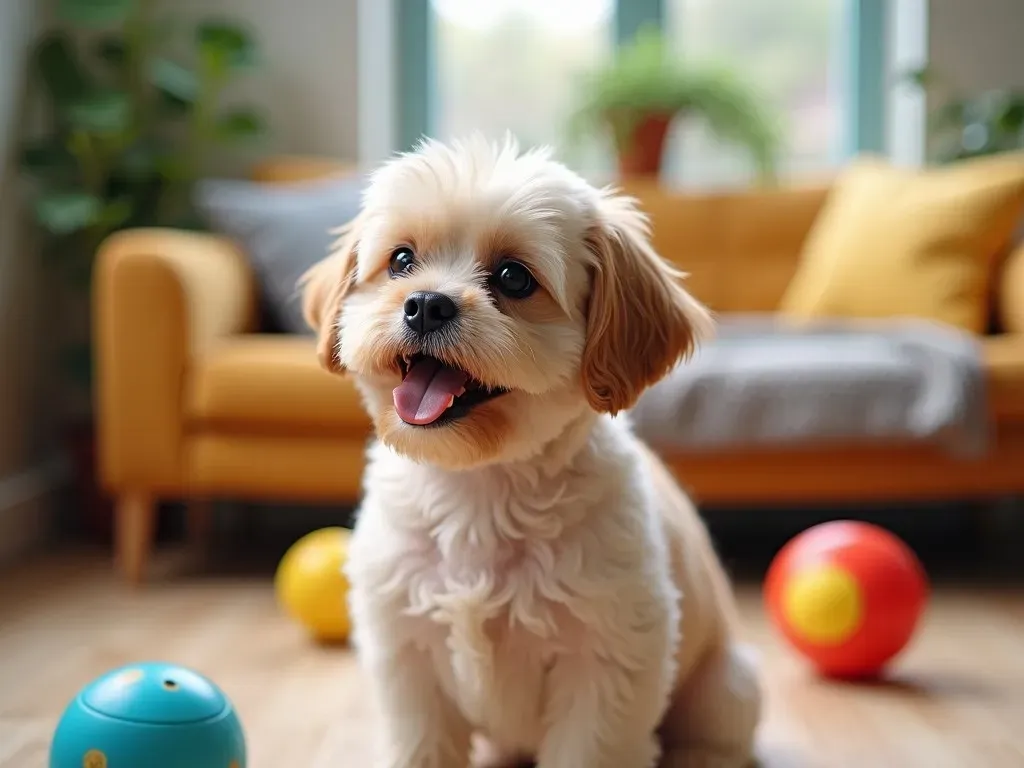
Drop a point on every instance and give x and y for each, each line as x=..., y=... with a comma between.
x=324, y=288
x=641, y=322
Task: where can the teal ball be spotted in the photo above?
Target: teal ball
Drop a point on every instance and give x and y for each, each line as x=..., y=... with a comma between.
x=149, y=715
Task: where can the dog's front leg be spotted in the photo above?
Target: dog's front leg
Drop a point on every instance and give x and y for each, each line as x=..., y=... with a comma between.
x=422, y=727
x=603, y=710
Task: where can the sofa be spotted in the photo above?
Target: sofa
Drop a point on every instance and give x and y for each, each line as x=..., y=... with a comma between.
x=195, y=401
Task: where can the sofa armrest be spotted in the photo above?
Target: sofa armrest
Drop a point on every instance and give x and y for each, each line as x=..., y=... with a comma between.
x=160, y=297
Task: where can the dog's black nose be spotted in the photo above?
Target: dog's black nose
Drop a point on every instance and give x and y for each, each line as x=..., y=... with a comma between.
x=426, y=311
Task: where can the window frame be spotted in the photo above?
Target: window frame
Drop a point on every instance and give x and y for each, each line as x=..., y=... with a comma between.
x=398, y=123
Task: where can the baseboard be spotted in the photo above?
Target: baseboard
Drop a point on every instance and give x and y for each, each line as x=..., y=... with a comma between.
x=28, y=508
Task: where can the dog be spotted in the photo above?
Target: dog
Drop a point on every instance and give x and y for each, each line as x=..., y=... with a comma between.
x=528, y=582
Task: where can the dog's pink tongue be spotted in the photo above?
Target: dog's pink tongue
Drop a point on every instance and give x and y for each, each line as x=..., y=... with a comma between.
x=427, y=391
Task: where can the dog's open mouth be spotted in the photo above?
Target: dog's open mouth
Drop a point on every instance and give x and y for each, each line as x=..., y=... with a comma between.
x=432, y=392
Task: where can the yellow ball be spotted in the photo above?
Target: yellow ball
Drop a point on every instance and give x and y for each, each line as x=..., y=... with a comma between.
x=311, y=586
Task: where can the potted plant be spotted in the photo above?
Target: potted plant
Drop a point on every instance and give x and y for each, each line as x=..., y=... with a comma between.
x=961, y=126
x=640, y=92
x=126, y=131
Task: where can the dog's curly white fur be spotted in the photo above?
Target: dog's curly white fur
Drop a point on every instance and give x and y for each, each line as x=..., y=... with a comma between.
x=528, y=582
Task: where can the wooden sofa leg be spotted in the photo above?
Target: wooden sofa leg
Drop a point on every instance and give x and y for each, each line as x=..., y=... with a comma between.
x=135, y=527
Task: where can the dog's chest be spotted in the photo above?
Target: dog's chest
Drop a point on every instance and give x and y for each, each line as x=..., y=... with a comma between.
x=493, y=636
x=486, y=585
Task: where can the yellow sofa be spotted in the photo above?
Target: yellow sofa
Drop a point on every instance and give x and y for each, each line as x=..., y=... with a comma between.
x=195, y=403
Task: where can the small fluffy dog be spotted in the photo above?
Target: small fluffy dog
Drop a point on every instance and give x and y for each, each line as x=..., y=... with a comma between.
x=528, y=582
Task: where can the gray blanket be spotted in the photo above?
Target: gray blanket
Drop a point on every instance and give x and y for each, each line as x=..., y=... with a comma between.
x=763, y=382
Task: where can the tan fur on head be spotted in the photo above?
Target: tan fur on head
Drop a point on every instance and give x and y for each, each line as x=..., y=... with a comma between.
x=640, y=321
x=608, y=317
x=324, y=288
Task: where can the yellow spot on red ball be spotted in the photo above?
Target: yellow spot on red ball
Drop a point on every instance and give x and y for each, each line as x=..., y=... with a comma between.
x=823, y=604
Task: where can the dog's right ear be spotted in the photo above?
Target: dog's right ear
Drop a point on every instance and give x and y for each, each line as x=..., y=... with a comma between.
x=641, y=321
x=324, y=287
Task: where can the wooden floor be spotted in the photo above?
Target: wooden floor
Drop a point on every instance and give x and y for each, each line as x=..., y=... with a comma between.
x=958, y=700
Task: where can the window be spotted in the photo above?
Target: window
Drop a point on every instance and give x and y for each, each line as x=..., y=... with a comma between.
x=497, y=65
x=791, y=51
x=509, y=65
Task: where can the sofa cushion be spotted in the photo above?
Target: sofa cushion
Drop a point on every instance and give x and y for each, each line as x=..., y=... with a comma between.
x=894, y=242
x=764, y=382
x=269, y=383
x=283, y=229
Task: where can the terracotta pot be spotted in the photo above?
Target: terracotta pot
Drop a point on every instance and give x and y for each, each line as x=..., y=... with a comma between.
x=642, y=156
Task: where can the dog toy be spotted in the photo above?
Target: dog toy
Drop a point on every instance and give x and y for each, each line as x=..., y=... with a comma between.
x=151, y=714
x=846, y=595
x=311, y=586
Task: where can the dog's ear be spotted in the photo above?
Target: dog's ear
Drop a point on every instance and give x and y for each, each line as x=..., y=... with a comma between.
x=324, y=287
x=640, y=320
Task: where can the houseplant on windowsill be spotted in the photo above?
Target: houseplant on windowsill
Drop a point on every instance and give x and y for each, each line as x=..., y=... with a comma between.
x=127, y=129
x=643, y=89
x=964, y=125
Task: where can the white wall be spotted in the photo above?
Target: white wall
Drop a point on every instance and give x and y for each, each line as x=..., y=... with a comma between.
x=978, y=44
x=308, y=83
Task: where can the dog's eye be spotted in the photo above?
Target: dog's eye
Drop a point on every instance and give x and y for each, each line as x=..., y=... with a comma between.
x=514, y=280
x=401, y=260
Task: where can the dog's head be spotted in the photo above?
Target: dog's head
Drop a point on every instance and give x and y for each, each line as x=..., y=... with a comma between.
x=484, y=298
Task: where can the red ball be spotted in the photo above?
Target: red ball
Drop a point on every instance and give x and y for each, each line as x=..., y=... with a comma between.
x=847, y=595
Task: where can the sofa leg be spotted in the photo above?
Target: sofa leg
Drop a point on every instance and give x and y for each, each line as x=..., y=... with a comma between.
x=136, y=524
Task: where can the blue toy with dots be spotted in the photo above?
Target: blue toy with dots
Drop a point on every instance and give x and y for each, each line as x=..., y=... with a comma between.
x=150, y=715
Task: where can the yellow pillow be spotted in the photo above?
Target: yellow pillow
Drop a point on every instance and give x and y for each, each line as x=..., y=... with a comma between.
x=909, y=242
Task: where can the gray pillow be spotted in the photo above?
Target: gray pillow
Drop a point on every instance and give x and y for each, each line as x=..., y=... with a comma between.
x=283, y=229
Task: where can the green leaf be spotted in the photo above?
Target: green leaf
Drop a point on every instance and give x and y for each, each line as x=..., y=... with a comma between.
x=46, y=159
x=95, y=13
x=63, y=213
x=63, y=75
x=102, y=111
x=115, y=213
x=240, y=125
x=1011, y=117
x=224, y=47
x=113, y=52
x=173, y=168
x=138, y=161
x=922, y=77
x=171, y=107
x=644, y=79
x=177, y=84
